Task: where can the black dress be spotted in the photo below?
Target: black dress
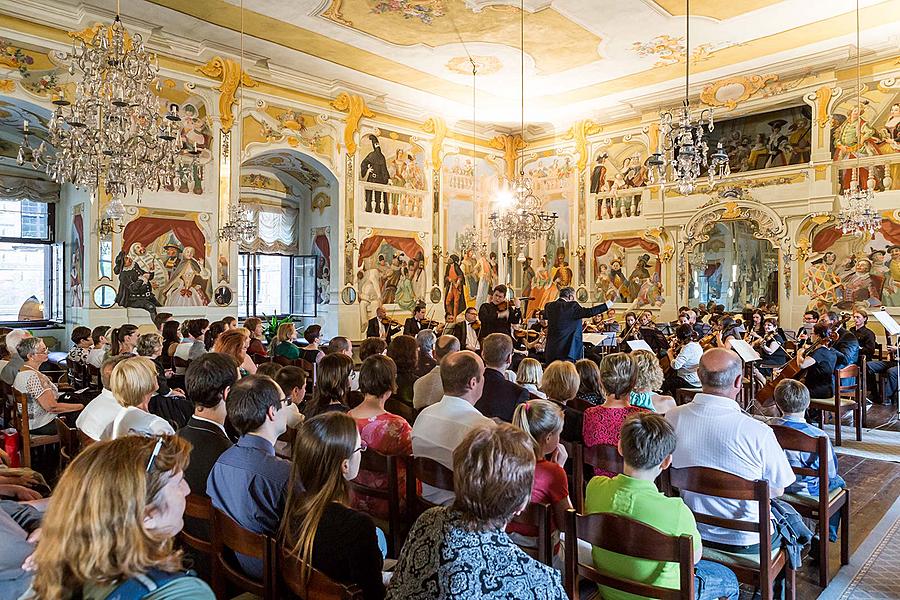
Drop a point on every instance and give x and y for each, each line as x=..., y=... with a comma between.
x=820, y=377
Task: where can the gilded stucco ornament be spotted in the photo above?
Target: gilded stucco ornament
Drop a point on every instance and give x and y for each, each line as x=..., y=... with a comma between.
x=229, y=73
x=579, y=132
x=437, y=127
x=356, y=109
x=510, y=145
x=729, y=92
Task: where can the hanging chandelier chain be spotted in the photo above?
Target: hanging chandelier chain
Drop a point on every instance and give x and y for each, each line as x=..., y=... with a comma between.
x=687, y=50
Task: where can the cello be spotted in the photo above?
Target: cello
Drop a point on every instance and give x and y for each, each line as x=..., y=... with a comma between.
x=766, y=394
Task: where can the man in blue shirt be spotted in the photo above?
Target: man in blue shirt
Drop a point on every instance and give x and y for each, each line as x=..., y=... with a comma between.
x=248, y=482
x=792, y=398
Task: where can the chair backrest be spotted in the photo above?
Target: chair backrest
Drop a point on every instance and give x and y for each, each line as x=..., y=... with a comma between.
x=539, y=516
x=586, y=458
x=68, y=441
x=20, y=422
x=792, y=439
x=685, y=395
x=180, y=363
x=580, y=404
x=284, y=361
x=386, y=466
x=857, y=389
x=429, y=472
x=200, y=509
x=318, y=587
x=623, y=535
x=260, y=358
x=94, y=380
x=229, y=537
x=401, y=409
x=84, y=440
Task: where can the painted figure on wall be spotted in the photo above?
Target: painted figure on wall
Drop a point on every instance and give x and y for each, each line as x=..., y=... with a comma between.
x=196, y=149
x=76, y=268
x=454, y=287
x=822, y=282
x=136, y=270
x=189, y=282
x=626, y=275
x=766, y=140
x=374, y=169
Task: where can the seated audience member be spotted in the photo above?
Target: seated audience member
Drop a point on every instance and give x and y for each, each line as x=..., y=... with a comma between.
x=234, y=343
x=42, y=394
x=292, y=381
x=426, y=361
x=589, y=381
x=602, y=424
x=81, y=338
x=713, y=432
x=216, y=328
x=493, y=470
x=372, y=346
x=792, y=399
x=100, y=341
x=103, y=409
x=560, y=383
x=209, y=380
x=403, y=351
x=124, y=340
x=318, y=526
x=529, y=375
x=160, y=319
x=133, y=383
x=171, y=338
x=269, y=369
x=649, y=378
x=500, y=396
x=192, y=345
x=440, y=428
x=542, y=420
x=109, y=529
x=255, y=326
x=248, y=482
x=20, y=522
x=283, y=344
x=229, y=323
x=427, y=390
x=168, y=403
x=820, y=363
x=685, y=361
x=332, y=385
x=380, y=430
x=312, y=353
x=151, y=346
x=11, y=370
x=342, y=345
x=646, y=445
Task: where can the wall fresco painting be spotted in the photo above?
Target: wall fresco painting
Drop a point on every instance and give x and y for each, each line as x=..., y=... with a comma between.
x=766, y=140
x=628, y=271
x=391, y=270
x=76, y=256
x=878, y=122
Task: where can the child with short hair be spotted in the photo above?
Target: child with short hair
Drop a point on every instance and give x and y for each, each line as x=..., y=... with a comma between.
x=646, y=443
x=792, y=398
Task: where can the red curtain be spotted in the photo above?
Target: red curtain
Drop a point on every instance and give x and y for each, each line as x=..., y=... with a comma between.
x=144, y=230
x=604, y=246
x=321, y=242
x=370, y=246
x=891, y=231
x=827, y=237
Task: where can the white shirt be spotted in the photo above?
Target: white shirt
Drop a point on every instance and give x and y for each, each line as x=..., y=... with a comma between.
x=354, y=380
x=437, y=432
x=533, y=389
x=471, y=338
x=687, y=362
x=98, y=414
x=713, y=432
x=95, y=357
x=132, y=420
x=428, y=389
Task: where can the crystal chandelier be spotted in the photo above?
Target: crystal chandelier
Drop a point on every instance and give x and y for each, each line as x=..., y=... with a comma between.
x=240, y=226
x=114, y=132
x=682, y=144
x=520, y=217
x=470, y=239
x=858, y=214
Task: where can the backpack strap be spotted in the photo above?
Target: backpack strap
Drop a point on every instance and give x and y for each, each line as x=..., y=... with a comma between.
x=142, y=584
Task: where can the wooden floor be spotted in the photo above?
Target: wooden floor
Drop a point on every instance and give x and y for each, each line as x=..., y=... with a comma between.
x=874, y=486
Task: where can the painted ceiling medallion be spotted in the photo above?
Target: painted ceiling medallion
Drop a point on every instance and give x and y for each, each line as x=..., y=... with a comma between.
x=485, y=65
x=670, y=50
x=425, y=11
x=730, y=92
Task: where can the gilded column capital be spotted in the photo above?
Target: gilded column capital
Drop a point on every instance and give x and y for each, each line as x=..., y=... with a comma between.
x=579, y=132
x=510, y=145
x=437, y=127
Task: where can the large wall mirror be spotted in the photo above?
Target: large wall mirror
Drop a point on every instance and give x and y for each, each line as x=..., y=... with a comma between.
x=733, y=267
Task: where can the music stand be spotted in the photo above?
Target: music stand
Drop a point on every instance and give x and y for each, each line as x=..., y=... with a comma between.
x=892, y=328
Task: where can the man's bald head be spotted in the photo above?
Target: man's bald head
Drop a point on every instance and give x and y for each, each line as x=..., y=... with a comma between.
x=720, y=372
x=462, y=375
x=446, y=344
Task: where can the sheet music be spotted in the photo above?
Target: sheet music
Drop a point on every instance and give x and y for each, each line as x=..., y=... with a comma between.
x=639, y=345
x=745, y=350
x=596, y=338
x=887, y=321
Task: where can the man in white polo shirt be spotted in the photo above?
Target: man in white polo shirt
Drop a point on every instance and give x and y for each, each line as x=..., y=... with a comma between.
x=104, y=408
x=713, y=432
x=440, y=428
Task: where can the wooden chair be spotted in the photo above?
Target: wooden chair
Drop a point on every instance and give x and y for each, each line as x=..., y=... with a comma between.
x=284, y=361
x=68, y=442
x=827, y=504
x=396, y=406
x=95, y=382
x=198, y=513
x=318, y=587
x=387, y=466
x=429, y=472
x=260, y=359
x=850, y=397
x=601, y=456
x=227, y=577
x=622, y=535
x=84, y=440
x=760, y=570
x=539, y=516
x=685, y=395
x=20, y=422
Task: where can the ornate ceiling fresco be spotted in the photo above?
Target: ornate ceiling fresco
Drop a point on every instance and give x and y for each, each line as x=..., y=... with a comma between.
x=584, y=58
x=285, y=163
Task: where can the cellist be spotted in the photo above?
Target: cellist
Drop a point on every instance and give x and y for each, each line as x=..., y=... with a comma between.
x=819, y=364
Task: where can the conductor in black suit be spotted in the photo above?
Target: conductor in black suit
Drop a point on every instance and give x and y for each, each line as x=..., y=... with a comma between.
x=564, y=326
x=494, y=320
x=378, y=329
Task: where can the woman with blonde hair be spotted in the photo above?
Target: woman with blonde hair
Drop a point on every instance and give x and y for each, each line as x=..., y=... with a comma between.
x=235, y=343
x=649, y=378
x=560, y=383
x=283, y=344
x=109, y=528
x=132, y=383
x=319, y=527
x=602, y=424
x=529, y=376
x=543, y=421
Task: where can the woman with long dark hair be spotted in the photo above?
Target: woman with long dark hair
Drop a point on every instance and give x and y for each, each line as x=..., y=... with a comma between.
x=332, y=385
x=124, y=340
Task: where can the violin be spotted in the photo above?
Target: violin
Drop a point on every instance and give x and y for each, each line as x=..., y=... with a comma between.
x=503, y=306
x=389, y=322
x=527, y=334
x=476, y=325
